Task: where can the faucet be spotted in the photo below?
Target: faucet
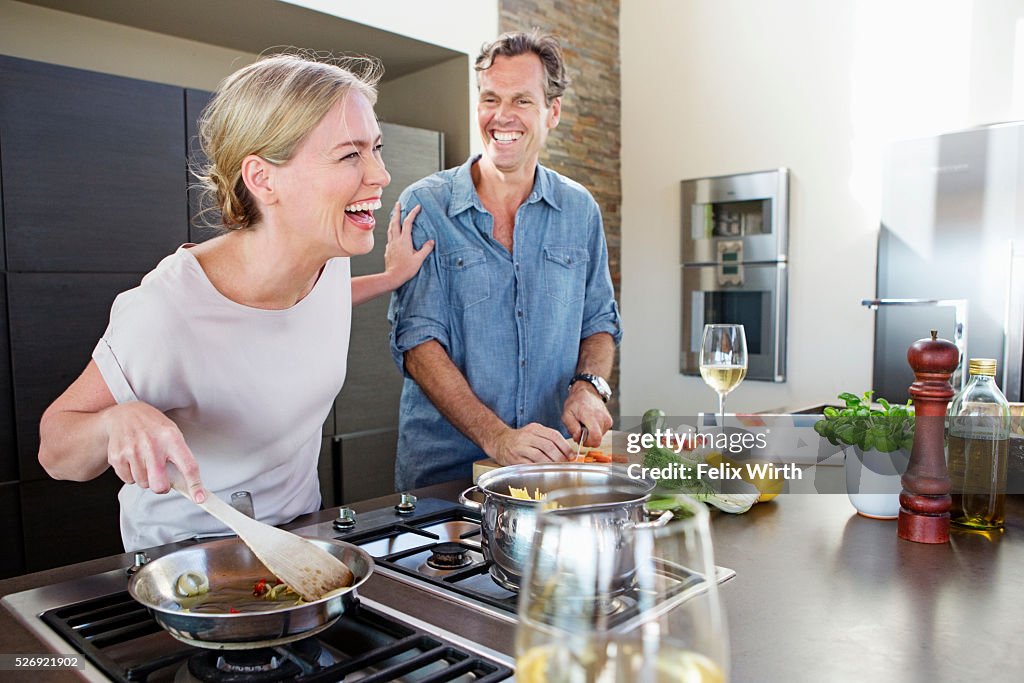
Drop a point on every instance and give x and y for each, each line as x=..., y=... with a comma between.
x=959, y=307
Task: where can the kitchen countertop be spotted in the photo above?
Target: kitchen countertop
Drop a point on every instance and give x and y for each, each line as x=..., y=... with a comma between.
x=821, y=594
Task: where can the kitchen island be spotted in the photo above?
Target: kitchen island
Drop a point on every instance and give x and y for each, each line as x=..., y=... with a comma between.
x=820, y=594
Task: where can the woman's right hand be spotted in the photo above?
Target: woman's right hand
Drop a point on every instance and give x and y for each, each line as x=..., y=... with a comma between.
x=142, y=441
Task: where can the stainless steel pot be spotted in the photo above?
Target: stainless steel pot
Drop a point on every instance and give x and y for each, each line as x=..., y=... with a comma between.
x=507, y=523
x=229, y=562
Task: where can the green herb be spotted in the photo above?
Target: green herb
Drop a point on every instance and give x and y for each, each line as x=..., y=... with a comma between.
x=858, y=424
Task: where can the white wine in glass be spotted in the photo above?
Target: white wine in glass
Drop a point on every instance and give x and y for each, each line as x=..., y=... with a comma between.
x=723, y=360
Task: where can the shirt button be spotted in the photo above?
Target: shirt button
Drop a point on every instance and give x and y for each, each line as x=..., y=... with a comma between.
x=519, y=313
x=458, y=262
x=517, y=266
x=522, y=363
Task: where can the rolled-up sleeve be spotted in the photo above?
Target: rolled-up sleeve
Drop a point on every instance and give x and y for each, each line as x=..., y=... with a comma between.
x=600, y=310
x=418, y=311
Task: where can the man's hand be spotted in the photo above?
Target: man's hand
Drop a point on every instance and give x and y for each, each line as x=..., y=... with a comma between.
x=532, y=443
x=584, y=408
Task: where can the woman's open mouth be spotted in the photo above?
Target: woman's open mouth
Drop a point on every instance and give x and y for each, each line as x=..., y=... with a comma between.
x=361, y=213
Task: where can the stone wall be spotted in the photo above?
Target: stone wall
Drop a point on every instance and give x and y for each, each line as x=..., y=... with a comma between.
x=585, y=146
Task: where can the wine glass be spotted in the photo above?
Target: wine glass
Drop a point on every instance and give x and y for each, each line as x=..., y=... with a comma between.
x=723, y=360
x=606, y=598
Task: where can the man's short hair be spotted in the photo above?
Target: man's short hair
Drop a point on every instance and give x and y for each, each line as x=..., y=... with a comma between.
x=545, y=45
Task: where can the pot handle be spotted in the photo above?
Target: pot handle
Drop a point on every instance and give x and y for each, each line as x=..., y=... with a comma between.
x=662, y=519
x=469, y=502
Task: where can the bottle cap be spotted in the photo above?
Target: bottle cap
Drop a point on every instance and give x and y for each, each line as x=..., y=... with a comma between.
x=983, y=366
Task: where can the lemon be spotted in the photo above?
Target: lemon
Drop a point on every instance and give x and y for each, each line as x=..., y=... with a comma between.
x=768, y=488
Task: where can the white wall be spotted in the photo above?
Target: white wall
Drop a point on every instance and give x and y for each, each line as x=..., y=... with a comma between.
x=712, y=87
x=462, y=25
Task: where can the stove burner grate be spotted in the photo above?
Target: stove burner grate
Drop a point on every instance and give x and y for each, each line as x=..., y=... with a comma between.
x=123, y=640
x=264, y=665
x=449, y=556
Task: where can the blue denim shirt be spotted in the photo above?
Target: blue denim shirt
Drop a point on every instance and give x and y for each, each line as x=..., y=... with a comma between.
x=511, y=322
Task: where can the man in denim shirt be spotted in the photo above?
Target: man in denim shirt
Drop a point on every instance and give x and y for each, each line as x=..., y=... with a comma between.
x=507, y=333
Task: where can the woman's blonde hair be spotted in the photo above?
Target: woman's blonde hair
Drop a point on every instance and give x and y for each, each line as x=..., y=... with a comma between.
x=267, y=108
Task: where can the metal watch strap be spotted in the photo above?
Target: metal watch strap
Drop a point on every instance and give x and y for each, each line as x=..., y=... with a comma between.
x=599, y=383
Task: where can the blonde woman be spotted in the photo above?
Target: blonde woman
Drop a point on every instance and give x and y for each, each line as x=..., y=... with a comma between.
x=228, y=356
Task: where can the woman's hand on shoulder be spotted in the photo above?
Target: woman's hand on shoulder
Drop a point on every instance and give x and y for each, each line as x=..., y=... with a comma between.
x=142, y=441
x=401, y=258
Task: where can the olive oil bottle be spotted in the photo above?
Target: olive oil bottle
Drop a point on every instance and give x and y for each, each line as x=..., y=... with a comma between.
x=978, y=450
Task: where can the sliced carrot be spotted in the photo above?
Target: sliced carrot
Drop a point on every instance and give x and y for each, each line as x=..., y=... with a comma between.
x=599, y=456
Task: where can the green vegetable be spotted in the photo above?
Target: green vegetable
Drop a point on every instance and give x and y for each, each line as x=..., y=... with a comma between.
x=680, y=510
x=858, y=424
x=733, y=503
x=653, y=419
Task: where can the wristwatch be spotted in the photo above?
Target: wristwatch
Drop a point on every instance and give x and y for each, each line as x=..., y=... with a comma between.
x=599, y=383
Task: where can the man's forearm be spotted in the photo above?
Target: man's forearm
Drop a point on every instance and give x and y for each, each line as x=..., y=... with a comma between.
x=447, y=388
x=597, y=355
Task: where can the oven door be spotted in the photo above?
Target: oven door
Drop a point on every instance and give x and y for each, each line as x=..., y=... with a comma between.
x=752, y=295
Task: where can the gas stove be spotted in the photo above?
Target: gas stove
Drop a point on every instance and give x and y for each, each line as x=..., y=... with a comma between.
x=121, y=641
x=430, y=545
x=434, y=545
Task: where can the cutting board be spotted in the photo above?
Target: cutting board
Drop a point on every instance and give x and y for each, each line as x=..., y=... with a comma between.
x=486, y=465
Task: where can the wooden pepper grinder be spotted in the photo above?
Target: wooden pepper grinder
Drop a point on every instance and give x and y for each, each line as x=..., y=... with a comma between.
x=925, y=501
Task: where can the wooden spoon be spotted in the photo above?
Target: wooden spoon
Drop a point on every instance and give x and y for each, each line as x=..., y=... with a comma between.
x=311, y=571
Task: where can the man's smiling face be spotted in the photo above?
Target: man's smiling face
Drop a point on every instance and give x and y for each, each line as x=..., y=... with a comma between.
x=512, y=112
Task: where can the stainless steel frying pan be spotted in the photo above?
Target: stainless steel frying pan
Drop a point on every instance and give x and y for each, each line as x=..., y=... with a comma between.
x=228, y=562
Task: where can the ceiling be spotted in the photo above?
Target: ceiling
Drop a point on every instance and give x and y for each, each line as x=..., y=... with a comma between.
x=255, y=25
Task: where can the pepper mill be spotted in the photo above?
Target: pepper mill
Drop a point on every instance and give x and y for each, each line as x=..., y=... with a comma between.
x=925, y=501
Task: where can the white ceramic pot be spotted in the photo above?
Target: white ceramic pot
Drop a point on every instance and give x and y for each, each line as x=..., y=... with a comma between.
x=873, y=481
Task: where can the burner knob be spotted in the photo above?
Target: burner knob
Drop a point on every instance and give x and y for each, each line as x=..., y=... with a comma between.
x=140, y=561
x=346, y=519
x=406, y=505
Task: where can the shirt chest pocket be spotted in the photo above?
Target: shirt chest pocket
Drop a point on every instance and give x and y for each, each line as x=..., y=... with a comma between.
x=465, y=271
x=565, y=273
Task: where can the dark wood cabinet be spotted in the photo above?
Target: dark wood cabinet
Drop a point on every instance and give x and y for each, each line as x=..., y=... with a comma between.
x=330, y=463
x=69, y=521
x=367, y=464
x=55, y=321
x=8, y=446
x=12, y=559
x=92, y=167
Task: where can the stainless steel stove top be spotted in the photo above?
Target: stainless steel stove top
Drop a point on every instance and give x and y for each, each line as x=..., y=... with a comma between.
x=431, y=545
x=405, y=544
x=126, y=644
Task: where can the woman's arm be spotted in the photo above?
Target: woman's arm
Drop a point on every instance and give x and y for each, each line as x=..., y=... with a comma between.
x=401, y=260
x=85, y=431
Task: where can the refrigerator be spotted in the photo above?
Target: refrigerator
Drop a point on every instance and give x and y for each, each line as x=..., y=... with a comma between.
x=951, y=253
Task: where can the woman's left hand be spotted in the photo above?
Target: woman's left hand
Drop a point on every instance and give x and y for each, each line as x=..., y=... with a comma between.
x=401, y=259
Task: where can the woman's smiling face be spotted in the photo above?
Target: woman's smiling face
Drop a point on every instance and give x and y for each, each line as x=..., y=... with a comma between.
x=330, y=187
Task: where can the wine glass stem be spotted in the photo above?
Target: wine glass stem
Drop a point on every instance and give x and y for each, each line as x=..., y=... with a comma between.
x=721, y=408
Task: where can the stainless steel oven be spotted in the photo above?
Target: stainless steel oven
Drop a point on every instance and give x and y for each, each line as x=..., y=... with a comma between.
x=735, y=242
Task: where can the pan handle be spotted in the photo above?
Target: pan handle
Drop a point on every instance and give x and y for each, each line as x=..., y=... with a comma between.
x=469, y=502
